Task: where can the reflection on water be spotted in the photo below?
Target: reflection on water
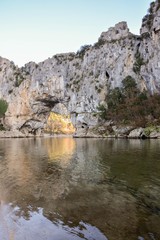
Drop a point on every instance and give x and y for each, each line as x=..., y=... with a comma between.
x=60, y=149
x=39, y=227
x=93, y=189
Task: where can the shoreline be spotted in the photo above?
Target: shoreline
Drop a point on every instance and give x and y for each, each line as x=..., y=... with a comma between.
x=134, y=134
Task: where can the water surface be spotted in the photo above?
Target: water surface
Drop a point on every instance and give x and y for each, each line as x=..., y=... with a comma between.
x=74, y=189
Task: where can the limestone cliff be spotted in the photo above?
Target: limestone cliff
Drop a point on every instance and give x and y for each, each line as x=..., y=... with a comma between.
x=78, y=82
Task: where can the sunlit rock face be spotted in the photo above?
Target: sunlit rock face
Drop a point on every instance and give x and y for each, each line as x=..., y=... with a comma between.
x=80, y=81
x=59, y=124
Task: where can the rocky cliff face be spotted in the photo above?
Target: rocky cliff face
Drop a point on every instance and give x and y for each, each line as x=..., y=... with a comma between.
x=77, y=83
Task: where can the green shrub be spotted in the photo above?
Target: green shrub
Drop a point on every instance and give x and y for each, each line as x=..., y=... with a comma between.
x=100, y=43
x=129, y=87
x=129, y=83
x=81, y=52
x=115, y=97
x=102, y=111
x=99, y=90
x=19, y=80
x=148, y=130
x=2, y=128
x=138, y=63
x=3, y=107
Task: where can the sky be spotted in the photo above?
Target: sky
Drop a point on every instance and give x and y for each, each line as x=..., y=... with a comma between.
x=33, y=30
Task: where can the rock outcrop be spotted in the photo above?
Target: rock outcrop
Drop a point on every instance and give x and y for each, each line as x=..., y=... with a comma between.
x=80, y=81
x=137, y=133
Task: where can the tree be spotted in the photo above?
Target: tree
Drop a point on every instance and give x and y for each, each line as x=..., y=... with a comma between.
x=115, y=98
x=129, y=83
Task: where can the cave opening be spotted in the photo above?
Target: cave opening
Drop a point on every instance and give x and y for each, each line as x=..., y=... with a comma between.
x=107, y=75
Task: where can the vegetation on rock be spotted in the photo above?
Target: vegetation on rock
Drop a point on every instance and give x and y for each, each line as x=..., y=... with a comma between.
x=128, y=105
x=3, y=107
x=81, y=52
x=138, y=63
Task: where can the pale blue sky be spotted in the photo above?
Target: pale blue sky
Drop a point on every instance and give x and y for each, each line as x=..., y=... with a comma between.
x=33, y=30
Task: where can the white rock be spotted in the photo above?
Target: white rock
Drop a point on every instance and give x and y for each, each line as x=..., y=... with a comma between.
x=136, y=133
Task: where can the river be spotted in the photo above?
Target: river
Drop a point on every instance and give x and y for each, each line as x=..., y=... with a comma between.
x=74, y=189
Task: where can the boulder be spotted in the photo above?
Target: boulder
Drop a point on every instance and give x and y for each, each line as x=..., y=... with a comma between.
x=137, y=133
x=154, y=134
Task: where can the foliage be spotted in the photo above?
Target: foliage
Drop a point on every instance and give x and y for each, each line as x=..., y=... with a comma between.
x=100, y=43
x=2, y=128
x=151, y=129
x=129, y=105
x=3, y=107
x=129, y=87
x=138, y=63
x=148, y=19
x=150, y=10
x=19, y=80
x=81, y=52
x=115, y=97
x=129, y=83
x=102, y=111
x=145, y=35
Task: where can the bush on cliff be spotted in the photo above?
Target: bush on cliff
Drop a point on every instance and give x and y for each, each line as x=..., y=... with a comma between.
x=3, y=107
